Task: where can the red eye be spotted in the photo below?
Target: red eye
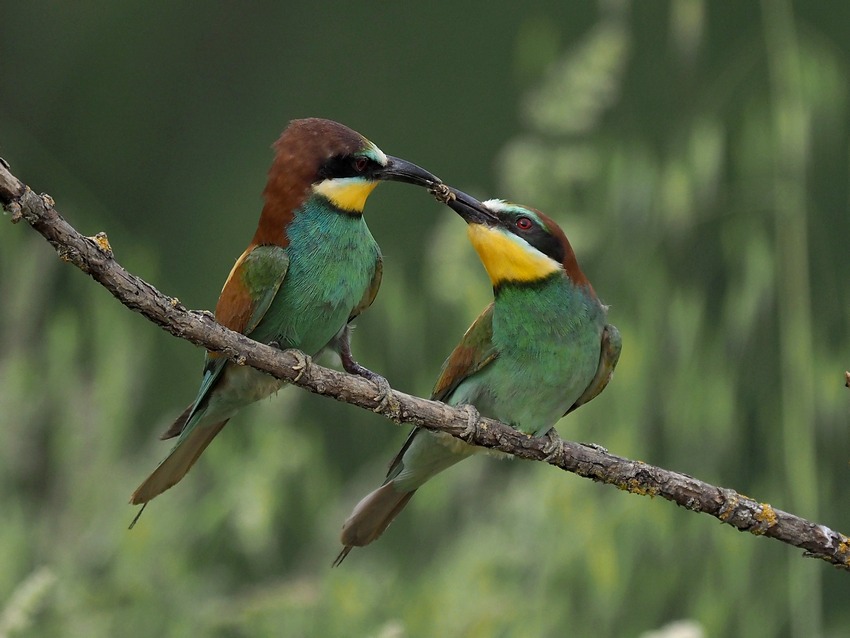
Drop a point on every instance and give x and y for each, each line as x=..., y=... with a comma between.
x=360, y=164
x=523, y=223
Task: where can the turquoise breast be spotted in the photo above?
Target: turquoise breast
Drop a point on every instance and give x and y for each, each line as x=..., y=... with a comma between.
x=332, y=259
x=548, y=338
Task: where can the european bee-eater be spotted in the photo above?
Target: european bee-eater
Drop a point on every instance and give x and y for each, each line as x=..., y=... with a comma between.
x=537, y=352
x=310, y=269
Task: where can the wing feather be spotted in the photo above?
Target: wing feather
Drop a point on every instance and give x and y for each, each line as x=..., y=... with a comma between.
x=609, y=354
x=474, y=352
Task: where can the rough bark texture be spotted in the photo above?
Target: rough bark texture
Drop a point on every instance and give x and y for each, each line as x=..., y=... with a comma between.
x=93, y=255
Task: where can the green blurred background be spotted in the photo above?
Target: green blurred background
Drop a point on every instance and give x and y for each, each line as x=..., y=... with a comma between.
x=697, y=155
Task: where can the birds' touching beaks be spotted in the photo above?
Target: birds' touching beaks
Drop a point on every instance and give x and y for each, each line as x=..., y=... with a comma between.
x=311, y=268
x=537, y=352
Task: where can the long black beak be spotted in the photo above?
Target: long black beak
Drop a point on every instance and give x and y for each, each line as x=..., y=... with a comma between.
x=399, y=170
x=472, y=211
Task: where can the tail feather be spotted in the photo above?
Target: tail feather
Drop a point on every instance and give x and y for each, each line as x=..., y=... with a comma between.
x=179, y=424
x=371, y=516
x=177, y=463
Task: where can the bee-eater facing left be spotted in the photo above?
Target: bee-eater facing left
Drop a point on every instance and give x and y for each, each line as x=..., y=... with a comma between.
x=535, y=354
x=310, y=269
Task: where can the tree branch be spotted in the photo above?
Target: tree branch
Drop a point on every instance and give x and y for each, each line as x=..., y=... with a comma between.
x=93, y=255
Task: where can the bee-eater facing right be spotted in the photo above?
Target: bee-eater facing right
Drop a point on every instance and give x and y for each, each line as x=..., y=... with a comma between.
x=535, y=354
x=311, y=268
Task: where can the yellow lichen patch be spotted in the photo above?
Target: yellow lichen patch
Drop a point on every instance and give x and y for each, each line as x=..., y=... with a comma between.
x=103, y=241
x=636, y=487
x=765, y=518
x=844, y=549
x=728, y=509
x=766, y=515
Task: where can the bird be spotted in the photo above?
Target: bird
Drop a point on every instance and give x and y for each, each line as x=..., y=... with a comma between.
x=311, y=268
x=538, y=351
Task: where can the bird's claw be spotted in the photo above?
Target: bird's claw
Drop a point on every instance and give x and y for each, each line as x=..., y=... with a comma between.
x=302, y=362
x=554, y=446
x=473, y=416
x=387, y=403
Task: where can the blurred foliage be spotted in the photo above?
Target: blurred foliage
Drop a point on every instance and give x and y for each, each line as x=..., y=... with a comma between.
x=695, y=153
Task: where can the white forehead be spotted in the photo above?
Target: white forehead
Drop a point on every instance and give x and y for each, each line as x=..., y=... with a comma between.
x=377, y=154
x=496, y=204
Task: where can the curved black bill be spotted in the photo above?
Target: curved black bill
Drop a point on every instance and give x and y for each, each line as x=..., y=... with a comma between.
x=399, y=170
x=472, y=211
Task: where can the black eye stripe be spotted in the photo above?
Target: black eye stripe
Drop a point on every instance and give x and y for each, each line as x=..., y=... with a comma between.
x=341, y=166
x=535, y=235
x=549, y=246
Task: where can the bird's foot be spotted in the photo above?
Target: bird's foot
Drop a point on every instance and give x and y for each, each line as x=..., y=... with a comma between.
x=302, y=361
x=596, y=446
x=554, y=446
x=388, y=405
x=473, y=417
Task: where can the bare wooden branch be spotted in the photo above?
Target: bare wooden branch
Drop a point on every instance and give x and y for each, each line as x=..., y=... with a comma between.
x=93, y=255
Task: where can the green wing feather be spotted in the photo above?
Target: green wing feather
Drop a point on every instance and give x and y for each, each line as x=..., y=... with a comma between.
x=244, y=301
x=371, y=291
x=262, y=269
x=474, y=352
x=374, y=513
x=609, y=354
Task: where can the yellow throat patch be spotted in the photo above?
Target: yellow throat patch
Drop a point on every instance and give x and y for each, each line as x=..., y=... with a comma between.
x=508, y=259
x=347, y=194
